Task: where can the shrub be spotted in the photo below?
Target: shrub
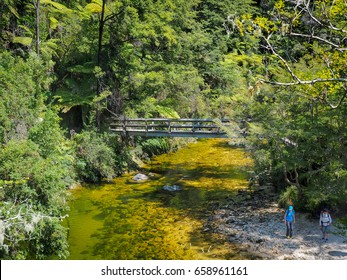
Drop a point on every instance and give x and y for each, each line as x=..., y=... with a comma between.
x=95, y=159
x=33, y=197
x=47, y=134
x=290, y=196
x=155, y=146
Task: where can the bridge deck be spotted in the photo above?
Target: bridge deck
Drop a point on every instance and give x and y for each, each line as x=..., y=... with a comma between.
x=156, y=127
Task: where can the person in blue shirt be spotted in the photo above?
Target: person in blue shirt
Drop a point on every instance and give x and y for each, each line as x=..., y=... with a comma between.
x=289, y=220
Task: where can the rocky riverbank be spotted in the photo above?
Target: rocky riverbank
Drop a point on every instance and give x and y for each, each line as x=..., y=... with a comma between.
x=255, y=220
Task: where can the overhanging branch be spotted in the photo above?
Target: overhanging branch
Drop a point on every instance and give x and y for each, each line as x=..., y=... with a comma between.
x=319, y=39
x=295, y=77
x=297, y=80
x=307, y=82
x=305, y=5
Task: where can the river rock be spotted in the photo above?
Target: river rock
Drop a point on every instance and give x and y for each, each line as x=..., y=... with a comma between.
x=140, y=177
x=172, y=188
x=75, y=186
x=230, y=221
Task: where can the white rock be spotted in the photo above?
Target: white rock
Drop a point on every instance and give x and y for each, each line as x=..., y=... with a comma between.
x=140, y=177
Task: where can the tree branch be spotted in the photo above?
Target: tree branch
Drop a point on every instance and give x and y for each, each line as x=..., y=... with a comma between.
x=109, y=17
x=319, y=39
x=307, y=9
x=339, y=103
x=295, y=77
x=297, y=81
x=307, y=82
x=297, y=184
x=327, y=62
x=325, y=99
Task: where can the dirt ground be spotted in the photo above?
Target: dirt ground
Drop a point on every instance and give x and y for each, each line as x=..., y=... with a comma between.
x=256, y=222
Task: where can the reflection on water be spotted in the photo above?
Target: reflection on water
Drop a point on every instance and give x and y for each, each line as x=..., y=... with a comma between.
x=127, y=220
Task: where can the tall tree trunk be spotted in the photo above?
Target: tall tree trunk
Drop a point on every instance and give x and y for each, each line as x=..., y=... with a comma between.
x=37, y=30
x=101, y=32
x=98, y=86
x=295, y=179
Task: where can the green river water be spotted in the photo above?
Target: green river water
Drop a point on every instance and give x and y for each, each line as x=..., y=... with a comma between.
x=133, y=221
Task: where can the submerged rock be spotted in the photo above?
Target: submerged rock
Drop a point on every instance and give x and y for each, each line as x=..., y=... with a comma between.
x=140, y=177
x=172, y=188
x=75, y=186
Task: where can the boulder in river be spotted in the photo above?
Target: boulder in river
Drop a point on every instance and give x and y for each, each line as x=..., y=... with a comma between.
x=140, y=177
x=172, y=188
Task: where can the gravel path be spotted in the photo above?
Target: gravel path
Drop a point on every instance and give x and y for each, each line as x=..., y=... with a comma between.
x=256, y=221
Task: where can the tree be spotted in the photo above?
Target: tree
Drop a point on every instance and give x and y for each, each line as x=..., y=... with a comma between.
x=32, y=198
x=23, y=87
x=95, y=159
x=297, y=124
x=37, y=28
x=35, y=162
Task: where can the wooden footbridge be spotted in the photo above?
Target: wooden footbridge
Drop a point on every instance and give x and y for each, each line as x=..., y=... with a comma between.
x=199, y=128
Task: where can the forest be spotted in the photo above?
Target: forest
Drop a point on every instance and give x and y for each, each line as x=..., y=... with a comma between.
x=276, y=68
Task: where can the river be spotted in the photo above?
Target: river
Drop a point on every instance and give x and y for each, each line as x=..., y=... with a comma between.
x=139, y=220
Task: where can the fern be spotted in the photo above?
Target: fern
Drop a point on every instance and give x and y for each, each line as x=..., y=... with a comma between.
x=155, y=146
x=60, y=7
x=25, y=41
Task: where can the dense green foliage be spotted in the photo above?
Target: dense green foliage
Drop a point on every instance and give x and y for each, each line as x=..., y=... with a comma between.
x=35, y=166
x=297, y=108
x=95, y=159
x=277, y=68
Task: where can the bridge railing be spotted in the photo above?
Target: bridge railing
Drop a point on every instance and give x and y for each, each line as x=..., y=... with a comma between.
x=202, y=128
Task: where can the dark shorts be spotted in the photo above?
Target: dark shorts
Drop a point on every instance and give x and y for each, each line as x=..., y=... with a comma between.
x=326, y=229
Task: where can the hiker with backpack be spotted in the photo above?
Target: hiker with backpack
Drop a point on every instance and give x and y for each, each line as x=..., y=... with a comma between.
x=324, y=223
x=289, y=220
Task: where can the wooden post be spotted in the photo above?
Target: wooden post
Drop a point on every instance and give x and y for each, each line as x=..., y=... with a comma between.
x=124, y=126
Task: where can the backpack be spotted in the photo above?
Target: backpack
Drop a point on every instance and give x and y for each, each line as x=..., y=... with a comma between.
x=325, y=219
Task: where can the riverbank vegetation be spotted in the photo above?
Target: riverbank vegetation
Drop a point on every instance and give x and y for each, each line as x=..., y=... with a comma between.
x=276, y=68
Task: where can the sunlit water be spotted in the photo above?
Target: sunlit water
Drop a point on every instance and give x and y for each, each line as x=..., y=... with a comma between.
x=128, y=220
